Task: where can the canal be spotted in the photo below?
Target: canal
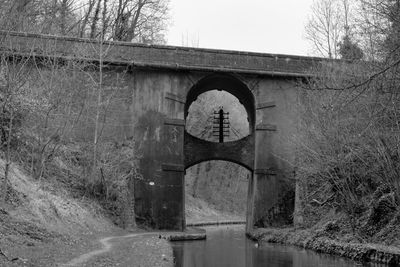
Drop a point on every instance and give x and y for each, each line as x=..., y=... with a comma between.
x=227, y=246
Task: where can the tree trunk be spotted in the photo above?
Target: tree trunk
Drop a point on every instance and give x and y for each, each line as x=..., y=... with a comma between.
x=19, y=14
x=63, y=17
x=104, y=18
x=8, y=159
x=132, y=29
x=86, y=18
x=93, y=28
x=98, y=109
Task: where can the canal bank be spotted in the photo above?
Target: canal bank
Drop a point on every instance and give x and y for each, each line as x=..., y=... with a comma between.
x=320, y=242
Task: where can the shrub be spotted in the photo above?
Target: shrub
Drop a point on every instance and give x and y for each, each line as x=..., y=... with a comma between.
x=349, y=137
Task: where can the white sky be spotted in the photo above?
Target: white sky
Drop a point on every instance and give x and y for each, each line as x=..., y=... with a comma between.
x=270, y=26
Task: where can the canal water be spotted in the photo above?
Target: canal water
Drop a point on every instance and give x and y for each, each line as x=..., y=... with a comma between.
x=227, y=246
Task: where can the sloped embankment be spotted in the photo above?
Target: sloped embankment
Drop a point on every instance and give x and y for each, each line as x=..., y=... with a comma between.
x=42, y=225
x=199, y=211
x=40, y=218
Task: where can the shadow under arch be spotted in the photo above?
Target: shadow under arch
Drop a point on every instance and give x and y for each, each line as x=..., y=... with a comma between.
x=211, y=157
x=219, y=159
x=240, y=151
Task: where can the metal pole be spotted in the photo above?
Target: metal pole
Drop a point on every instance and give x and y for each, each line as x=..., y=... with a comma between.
x=221, y=125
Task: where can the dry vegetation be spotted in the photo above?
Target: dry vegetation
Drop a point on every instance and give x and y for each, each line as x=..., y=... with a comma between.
x=349, y=138
x=349, y=150
x=54, y=113
x=123, y=20
x=53, y=119
x=60, y=170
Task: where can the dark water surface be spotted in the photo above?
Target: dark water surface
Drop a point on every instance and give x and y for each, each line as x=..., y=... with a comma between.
x=227, y=246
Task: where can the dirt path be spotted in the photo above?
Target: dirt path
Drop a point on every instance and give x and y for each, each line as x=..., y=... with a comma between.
x=127, y=250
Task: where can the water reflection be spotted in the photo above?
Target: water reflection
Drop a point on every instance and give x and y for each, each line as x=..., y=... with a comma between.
x=228, y=246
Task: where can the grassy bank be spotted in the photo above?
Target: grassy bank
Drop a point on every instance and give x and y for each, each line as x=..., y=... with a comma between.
x=322, y=241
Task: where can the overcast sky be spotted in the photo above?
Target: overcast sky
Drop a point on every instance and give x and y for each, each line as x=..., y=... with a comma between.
x=270, y=26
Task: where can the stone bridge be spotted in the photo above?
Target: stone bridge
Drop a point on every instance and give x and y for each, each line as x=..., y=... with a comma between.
x=161, y=84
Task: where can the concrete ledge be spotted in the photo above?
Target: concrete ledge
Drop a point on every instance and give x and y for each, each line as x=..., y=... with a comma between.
x=266, y=127
x=176, y=98
x=265, y=171
x=188, y=234
x=174, y=122
x=265, y=105
x=216, y=223
x=172, y=167
x=195, y=233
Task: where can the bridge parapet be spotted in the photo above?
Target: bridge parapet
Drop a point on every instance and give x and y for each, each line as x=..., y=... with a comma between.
x=157, y=56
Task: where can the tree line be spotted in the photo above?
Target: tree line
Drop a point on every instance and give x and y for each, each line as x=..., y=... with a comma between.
x=359, y=29
x=119, y=20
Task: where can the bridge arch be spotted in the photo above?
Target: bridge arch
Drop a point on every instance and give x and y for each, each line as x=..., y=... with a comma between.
x=230, y=84
x=240, y=151
x=220, y=159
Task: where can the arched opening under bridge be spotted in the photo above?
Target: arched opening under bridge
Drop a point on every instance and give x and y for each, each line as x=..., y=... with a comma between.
x=219, y=135
x=216, y=191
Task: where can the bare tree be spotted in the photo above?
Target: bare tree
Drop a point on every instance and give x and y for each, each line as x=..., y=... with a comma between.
x=121, y=20
x=325, y=27
x=12, y=109
x=190, y=41
x=59, y=17
x=15, y=14
x=86, y=16
x=58, y=100
x=125, y=20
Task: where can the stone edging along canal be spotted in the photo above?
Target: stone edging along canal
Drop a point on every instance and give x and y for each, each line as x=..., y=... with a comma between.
x=308, y=240
x=215, y=223
x=194, y=233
